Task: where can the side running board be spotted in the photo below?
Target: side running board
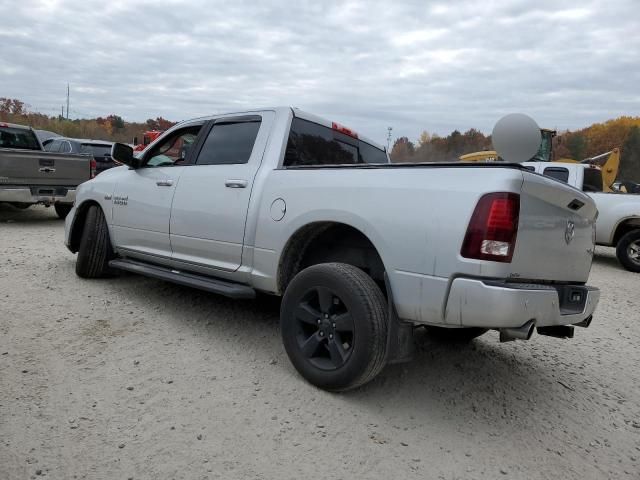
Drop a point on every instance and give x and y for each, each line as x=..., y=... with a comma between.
x=214, y=285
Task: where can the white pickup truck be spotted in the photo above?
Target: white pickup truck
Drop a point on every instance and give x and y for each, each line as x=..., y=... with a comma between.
x=362, y=250
x=618, y=213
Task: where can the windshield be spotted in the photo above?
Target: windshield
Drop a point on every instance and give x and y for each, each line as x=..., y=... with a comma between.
x=11, y=137
x=544, y=152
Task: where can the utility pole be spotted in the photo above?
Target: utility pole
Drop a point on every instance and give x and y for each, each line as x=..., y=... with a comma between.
x=389, y=137
x=62, y=112
x=67, y=101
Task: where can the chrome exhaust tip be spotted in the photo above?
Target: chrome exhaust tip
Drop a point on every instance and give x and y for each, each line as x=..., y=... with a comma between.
x=558, y=331
x=520, y=333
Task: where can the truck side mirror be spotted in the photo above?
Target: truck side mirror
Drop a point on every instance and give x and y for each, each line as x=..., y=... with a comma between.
x=124, y=154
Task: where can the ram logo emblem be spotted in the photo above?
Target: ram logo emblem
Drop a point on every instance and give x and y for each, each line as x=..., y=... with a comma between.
x=569, y=232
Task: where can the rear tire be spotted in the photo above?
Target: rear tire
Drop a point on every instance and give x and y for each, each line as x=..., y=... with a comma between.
x=95, y=246
x=62, y=210
x=456, y=335
x=628, y=251
x=334, y=326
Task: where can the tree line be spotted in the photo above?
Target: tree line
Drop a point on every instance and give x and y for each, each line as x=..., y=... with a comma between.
x=622, y=132
x=111, y=128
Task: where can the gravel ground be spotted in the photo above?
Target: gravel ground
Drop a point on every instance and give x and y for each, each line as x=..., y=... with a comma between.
x=135, y=378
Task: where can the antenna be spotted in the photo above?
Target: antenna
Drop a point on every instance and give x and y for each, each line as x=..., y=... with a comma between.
x=389, y=137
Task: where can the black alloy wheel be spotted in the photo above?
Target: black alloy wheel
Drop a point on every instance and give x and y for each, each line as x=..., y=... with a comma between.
x=325, y=333
x=334, y=327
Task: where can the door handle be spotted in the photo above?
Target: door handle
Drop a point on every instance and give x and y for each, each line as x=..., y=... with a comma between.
x=164, y=183
x=235, y=183
x=47, y=170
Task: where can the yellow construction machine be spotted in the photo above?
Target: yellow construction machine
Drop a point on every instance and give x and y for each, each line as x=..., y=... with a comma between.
x=544, y=154
x=608, y=162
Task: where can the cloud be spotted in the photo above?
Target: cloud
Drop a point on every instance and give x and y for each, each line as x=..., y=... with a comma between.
x=412, y=65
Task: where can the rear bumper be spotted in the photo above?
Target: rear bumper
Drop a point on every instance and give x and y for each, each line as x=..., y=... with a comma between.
x=495, y=304
x=42, y=194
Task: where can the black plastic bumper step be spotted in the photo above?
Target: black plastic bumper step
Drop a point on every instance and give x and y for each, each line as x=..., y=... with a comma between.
x=214, y=285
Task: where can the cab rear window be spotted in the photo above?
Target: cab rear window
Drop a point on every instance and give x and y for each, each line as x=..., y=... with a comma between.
x=559, y=173
x=18, y=138
x=313, y=144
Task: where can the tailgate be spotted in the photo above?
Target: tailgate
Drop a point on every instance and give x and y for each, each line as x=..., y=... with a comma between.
x=556, y=231
x=30, y=167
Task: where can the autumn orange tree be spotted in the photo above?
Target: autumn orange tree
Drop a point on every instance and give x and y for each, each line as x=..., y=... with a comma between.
x=603, y=137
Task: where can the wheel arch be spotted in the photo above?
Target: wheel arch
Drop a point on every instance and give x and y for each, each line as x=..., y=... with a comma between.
x=324, y=241
x=623, y=227
x=78, y=223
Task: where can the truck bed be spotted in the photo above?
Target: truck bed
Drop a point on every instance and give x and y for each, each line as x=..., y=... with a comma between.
x=416, y=215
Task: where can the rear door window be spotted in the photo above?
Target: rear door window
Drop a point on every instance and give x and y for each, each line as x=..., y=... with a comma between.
x=559, y=173
x=229, y=143
x=313, y=144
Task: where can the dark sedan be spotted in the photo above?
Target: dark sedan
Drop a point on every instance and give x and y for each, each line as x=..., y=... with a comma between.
x=99, y=149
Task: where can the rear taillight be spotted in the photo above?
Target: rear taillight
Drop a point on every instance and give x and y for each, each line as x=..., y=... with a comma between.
x=93, y=166
x=492, y=230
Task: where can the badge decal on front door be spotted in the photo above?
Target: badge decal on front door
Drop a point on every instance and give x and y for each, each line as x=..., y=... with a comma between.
x=120, y=200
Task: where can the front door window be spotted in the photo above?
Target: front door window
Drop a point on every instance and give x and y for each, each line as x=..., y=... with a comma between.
x=173, y=150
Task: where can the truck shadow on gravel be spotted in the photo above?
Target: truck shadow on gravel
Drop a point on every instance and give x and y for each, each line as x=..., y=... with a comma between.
x=37, y=215
x=609, y=260
x=441, y=375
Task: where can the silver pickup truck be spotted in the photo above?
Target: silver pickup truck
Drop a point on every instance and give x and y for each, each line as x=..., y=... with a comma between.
x=361, y=250
x=29, y=175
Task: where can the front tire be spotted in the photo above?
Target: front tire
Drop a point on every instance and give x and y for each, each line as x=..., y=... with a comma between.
x=62, y=210
x=628, y=251
x=95, y=246
x=334, y=325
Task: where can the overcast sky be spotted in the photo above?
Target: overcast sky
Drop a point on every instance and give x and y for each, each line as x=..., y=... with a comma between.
x=414, y=66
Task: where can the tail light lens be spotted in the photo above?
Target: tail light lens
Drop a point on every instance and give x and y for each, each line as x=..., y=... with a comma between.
x=492, y=231
x=93, y=166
